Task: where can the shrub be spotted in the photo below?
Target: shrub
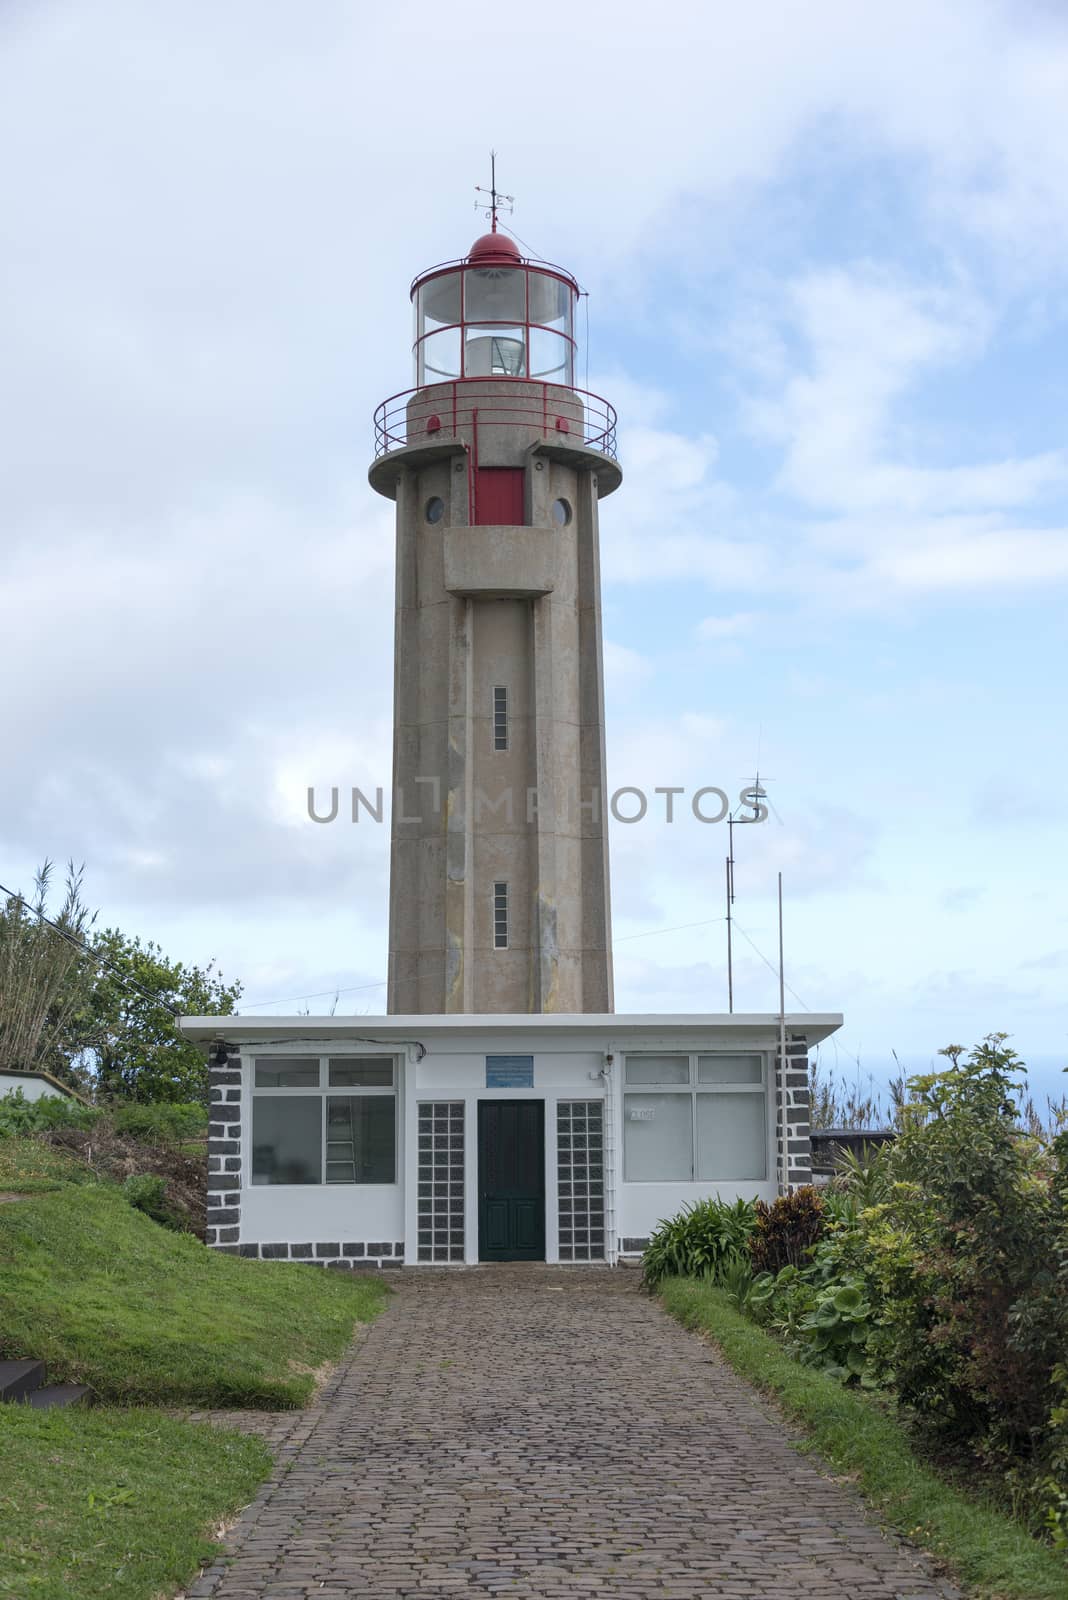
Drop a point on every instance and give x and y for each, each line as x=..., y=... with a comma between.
x=785, y=1232
x=939, y=1268
x=158, y=1122
x=736, y=1277
x=974, y=1330
x=699, y=1242
x=19, y=1116
x=836, y=1331
x=146, y=1192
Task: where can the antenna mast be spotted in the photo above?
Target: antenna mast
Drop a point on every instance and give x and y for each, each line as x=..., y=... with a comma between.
x=498, y=201
x=733, y=821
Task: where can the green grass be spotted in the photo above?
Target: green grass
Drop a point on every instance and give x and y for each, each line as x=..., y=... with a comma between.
x=114, y=1505
x=107, y=1297
x=992, y=1555
x=28, y=1166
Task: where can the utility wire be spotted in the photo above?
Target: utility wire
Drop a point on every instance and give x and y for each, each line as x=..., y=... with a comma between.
x=355, y=1038
x=678, y=928
x=321, y=994
x=770, y=966
x=352, y=988
x=146, y=994
x=94, y=955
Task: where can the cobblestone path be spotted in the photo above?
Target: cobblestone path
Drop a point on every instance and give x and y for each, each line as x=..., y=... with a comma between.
x=546, y=1432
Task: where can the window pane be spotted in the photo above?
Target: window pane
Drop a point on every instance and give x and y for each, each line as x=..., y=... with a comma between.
x=287, y=1072
x=658, y=1069
x=439, y=302
x=370, y=1072
x=361, y=1138
x=730, y=1069
x=500, y=718
x=658, y=1137
x=495, y=296
x=494, y=353
x=500, y=916
x=287, y=1139
x=550, y=302
x=731, y=1137
x=439, y=356
x=550, y=356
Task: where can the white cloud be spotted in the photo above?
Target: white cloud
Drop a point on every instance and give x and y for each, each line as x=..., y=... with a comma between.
x=205, y=264
x=868, y=338
x=624, y=668
x=988, y=560
x=737, y=626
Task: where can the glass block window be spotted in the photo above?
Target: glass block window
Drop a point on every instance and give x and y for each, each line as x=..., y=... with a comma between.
x=580, y=1179
x=440, y=1180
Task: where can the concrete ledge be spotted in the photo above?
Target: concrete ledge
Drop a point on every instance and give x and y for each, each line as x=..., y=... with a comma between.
x=505, y=562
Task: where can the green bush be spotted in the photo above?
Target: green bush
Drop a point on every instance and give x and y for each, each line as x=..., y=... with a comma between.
x=22, y=1117
x=146, y=1192
x=158, y=1122
x=703, y=1240
x=973, y=1330
x=938, y=1269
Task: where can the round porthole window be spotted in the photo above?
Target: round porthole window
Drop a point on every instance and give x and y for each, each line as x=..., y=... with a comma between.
x=435, y=508
x=561, y=513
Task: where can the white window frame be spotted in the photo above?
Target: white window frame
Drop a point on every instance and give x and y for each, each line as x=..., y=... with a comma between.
x=693, y=1088
x=500, y=717
x=501, y=909
x=326, y=1090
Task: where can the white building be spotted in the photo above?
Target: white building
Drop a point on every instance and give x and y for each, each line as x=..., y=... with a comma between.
x=428, y=1139
x=34, y=1085
x=501, y=1110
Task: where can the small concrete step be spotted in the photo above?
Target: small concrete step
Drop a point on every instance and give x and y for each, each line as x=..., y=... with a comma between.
x=59, y=1394
x=18, y=1378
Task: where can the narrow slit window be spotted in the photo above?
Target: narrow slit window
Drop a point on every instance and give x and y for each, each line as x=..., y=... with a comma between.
x=500, y=718
x=500, y=916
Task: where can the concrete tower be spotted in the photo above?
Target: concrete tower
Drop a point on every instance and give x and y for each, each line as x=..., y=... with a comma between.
x=499, y=898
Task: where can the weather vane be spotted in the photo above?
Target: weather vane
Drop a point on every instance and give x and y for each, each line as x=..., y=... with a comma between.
x=498, y=201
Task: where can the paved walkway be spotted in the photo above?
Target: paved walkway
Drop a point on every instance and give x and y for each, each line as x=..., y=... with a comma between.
x=550, y=1433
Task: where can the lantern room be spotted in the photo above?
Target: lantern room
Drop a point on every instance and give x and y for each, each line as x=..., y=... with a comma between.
x=494, y=315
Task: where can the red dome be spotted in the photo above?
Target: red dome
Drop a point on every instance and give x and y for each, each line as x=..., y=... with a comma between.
x=495, y=249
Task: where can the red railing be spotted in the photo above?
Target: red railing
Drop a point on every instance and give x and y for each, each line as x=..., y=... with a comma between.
x=465, y=264
x=448, y=409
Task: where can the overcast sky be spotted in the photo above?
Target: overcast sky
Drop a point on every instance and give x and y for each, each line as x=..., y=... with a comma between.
x=826, y=247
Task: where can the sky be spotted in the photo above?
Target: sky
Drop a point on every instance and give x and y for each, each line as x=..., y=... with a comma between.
x=826, y=253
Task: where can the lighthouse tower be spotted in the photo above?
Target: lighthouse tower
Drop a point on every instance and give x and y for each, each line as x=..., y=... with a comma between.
x=499, y=896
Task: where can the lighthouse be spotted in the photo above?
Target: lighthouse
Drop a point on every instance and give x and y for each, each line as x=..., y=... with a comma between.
x=501, y=1109
x=497, y=462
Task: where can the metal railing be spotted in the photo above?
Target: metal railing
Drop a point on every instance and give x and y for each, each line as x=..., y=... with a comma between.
x=449, y=408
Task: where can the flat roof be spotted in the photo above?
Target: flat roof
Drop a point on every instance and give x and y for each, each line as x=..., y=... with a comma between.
x=815, y=1025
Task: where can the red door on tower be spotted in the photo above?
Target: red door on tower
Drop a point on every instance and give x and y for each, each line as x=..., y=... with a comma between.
x=499, y=497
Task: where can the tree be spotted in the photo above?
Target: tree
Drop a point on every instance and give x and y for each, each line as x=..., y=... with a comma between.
x=44, y=976
x=128, y=1036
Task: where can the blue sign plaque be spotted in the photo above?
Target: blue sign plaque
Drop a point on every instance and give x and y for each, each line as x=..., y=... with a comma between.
x=509, y=1072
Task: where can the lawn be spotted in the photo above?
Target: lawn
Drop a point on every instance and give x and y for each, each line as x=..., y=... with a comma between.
x=29, y=1166
x=114, y=1505
x=857, y=1435
x=145, y=1315
x=117, y=1502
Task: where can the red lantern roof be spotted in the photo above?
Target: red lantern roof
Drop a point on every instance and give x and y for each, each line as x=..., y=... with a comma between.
x=495, y=250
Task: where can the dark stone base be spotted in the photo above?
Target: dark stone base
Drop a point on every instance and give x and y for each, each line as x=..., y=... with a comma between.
x=355, y=1256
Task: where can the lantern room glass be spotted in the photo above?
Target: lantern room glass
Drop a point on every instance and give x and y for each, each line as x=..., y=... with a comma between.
x=493, y=321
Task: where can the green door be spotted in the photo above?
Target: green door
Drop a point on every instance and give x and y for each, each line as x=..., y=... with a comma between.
x=511, y=1180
